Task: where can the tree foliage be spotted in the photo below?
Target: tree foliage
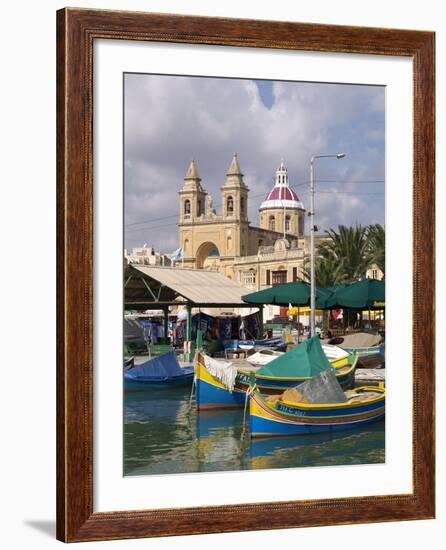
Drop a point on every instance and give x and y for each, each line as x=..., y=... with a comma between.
x=376, y=236
x=345, y=254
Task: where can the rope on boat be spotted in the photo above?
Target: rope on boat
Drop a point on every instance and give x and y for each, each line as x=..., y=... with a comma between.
x=194, y=383
x=249, y=392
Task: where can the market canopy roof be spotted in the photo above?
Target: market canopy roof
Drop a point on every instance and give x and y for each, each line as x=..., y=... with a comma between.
x=296, y=294
x=153, y=286
x=365, y=294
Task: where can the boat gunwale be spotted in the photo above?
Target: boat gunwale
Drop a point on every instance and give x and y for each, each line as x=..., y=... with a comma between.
x=289, y=418
x=324, y=406
x=338, y=374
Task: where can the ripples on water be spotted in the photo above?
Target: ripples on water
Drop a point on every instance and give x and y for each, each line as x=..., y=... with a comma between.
x=164, y=435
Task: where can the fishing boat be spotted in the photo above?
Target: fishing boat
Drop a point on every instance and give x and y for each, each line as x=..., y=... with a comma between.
x=263, y=357
x=161, y=371
x=365, y=345
x=336, y=355
x=255, y=345
x=271, y=343
x=288, y=415
x=223, y=384
x=246, y=345
x=129, y=362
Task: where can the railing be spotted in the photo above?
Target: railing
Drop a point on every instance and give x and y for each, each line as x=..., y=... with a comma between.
x=274, y=255
x=266, y=249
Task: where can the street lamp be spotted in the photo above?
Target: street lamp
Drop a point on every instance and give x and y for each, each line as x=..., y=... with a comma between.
x=312, y=229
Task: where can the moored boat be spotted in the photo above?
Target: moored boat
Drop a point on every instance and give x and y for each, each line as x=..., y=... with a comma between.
x=365, y=345
x=161, y=371
x=223, y=384
x=263, y=356
x=129, y=362
x=336, y=355
x=285, y=416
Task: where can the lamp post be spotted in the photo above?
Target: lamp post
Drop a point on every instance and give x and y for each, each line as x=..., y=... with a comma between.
x=312, y=229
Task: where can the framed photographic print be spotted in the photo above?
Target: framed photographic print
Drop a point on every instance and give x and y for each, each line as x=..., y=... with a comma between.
x=245, y=275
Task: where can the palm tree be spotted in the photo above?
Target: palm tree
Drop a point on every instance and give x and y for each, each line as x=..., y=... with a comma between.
x=347, y=248
x=347, y=252
x=344, y=255
x=376, y=237
x=328, y=271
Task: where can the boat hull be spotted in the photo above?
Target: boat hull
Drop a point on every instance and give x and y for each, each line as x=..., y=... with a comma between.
x=140, y=384
x=374, y=351
x=266, y=420
x=212, y=394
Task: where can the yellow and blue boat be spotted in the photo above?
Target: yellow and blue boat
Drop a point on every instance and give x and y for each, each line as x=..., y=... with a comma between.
x=285, y=417
x=226, y=386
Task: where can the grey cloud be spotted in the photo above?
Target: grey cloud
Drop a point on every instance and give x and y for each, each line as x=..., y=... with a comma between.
x=169, y=120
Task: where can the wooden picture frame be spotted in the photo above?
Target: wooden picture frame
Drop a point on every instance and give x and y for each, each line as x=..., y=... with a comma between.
x=76, y=31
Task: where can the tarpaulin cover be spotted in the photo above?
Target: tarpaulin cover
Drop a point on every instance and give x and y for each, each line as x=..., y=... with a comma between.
x=163, y=366
x=358, y=340
x=305, y=360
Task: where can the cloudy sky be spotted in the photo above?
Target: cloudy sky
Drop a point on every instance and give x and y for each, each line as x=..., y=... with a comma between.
x=170, y=120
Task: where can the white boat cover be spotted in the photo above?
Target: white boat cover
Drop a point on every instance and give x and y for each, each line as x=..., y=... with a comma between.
x=334, y=352
x=224, y=371
x=263, y=356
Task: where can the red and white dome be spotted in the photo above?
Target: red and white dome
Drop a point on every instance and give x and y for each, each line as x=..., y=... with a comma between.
x=281, y=196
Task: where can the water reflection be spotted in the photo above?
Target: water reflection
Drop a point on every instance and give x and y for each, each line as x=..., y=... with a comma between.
x=164, y=434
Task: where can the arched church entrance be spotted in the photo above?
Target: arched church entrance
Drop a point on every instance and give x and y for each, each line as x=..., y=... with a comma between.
x=207, y=256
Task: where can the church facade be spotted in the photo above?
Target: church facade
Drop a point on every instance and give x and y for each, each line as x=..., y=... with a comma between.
x=256, y=256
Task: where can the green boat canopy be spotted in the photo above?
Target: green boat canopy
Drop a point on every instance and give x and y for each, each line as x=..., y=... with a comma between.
x=365, y=294
x=296, y=294
x=305, y=360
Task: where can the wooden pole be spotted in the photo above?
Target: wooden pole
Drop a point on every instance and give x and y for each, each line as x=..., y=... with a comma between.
x=189, y=323
x=261, y=320
x=166, y=323
x=298, y=324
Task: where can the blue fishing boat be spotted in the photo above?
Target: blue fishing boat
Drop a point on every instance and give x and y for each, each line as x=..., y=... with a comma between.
x=267, y=343
x=223, y=384
x=159, y=372
x=286, y=415
x=372, y=352
x=277, y=344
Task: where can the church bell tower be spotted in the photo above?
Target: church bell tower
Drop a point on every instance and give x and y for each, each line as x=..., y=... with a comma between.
x=234, y=193
x=192, y=196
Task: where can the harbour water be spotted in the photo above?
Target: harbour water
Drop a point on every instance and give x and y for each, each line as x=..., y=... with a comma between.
x=164, y=434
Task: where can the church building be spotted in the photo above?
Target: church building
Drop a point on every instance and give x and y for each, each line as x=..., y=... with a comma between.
x=257, y=257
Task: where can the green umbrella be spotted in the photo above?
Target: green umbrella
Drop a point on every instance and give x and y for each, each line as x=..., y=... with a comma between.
x=365, y=294
x=296, y=294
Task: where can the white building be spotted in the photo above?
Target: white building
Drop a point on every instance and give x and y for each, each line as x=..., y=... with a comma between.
x=146, y=255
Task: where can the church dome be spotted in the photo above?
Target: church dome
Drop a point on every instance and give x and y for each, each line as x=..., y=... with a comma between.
x=281, y=195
